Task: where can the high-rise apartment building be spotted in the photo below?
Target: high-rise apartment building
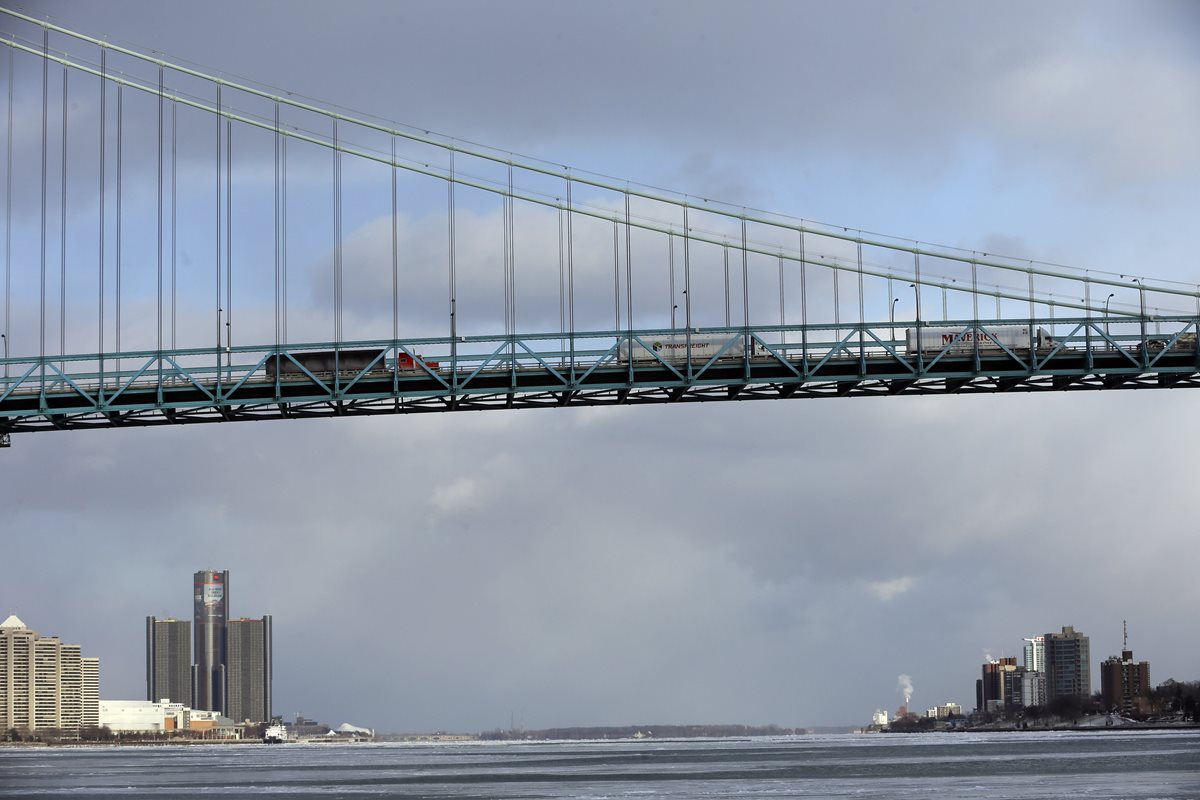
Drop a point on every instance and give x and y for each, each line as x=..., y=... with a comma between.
x=248, y=670
x=42, y=682
x=1068, y=664
x=1035, y=654
x=1125, y=683
x=169, y=660
x=89, y=667
x=210, y=603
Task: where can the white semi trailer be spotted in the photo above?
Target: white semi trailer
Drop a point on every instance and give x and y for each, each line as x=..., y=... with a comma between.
x=962, y=341
x=676, y=347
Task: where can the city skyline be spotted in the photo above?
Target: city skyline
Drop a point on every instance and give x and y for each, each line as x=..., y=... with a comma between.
x=602, y=566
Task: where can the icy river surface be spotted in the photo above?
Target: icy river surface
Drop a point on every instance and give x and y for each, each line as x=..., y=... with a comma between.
x=1106, y=764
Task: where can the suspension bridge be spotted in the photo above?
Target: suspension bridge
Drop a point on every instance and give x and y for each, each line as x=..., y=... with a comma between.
x=181, y=247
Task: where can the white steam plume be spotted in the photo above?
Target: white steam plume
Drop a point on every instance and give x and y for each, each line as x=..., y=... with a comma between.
x=904, y=684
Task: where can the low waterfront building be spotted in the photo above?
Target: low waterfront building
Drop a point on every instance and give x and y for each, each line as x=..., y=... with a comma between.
x=143, y=716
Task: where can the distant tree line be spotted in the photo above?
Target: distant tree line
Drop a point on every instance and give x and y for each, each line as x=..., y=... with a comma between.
x=639, y=731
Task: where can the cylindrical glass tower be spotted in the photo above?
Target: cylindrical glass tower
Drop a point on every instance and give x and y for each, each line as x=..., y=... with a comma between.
x=211, y=613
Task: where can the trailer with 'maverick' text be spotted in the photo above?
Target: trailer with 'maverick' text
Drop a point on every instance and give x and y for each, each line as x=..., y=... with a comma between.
x=963, y=341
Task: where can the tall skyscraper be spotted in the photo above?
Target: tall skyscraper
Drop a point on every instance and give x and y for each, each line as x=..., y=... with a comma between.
x=1068, y=664
x=210, y=615
x=248, y=670
x=169, y=660
x=42, y=682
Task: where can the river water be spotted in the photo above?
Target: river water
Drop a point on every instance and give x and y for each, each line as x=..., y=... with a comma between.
x=1110, y=764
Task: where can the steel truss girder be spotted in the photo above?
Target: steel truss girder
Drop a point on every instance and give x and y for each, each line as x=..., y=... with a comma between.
x=193, y=386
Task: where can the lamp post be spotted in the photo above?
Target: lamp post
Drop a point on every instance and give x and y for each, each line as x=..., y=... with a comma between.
x=1107, y=332
x=1141, y=311
x=892, y=313
x=5, y=338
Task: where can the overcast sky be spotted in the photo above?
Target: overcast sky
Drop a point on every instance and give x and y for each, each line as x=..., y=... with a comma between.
x=745, y=562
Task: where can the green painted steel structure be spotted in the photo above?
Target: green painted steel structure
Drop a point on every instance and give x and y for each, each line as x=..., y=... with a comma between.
x=192, y=386
x=1147, y=341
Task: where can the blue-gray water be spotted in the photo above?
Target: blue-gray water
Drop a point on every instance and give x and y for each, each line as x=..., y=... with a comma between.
x=1051, y=765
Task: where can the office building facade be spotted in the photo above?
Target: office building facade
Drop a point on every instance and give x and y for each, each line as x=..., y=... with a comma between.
x=169, y=660
x=1068, y=664
x=248, y=670
x=210, y=605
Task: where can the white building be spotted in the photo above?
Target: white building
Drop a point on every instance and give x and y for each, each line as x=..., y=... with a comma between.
x=128, y=716
x=1035, y=654
x=879, y=718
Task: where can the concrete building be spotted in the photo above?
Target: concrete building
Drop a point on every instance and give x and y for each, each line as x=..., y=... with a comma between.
x=1068, y=664
x=210, y=606
x=169, y=660
x=90, y=667
x=1033, y=688
x=1125, y=684
x=42, y=681
x=248, y=670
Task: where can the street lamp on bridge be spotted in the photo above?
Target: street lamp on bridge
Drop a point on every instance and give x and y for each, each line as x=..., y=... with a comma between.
x=1107, y=300
x=1141, y=309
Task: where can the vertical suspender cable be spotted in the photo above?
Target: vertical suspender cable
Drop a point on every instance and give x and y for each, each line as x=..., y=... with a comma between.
x=837, y=303
x=782, y=305
x=504, y=198
x=120, y=171
x=803, y=303
x=159, y=304
x=512, y=259
x=453, y=287
x=671, y=277
x=45, y=123
x=229, y=244
x=395, y=252
x=62, y=249
x=337, y=237
x=628, y=278
x=174, y=210
x=687, y=286
x=8, y=213
x=862, y=316
x=616, y=276
x=103, y=195
x=571, y=272
x=283, y=237
x=745, y=283
x=218, y=244
x=276, y=220
x=687, y=278
x=562, y=301
x=725, y=255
